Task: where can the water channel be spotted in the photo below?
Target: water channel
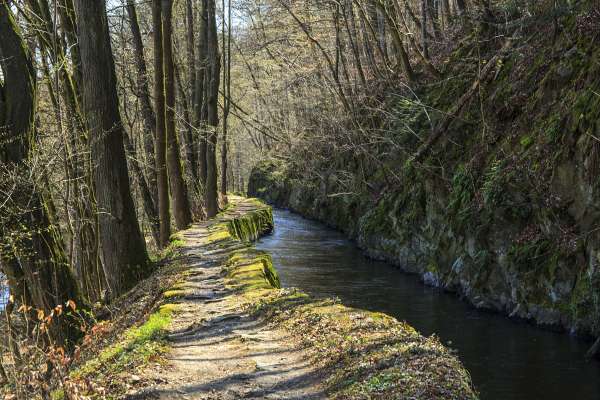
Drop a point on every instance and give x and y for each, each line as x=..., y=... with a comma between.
x=508, y=360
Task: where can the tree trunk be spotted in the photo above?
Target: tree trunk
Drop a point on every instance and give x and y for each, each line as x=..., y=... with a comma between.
x=181, y=204
x=424, y=44
x=433, y=10
x=143, y=93
x=123, y=246
x=147, y=201
x=160, y=142
x=187, y=136
x=214, y=66
x=31, y=251
x=226, y=95
x=200, y=106
x=191, y=58
x=84, y=252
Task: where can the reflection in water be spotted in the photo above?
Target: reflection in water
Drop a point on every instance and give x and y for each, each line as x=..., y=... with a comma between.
x=508, y=360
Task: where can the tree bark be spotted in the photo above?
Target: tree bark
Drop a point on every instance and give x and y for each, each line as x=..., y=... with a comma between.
x=143, y=93
x=181, y=204
x=148, y=203
x=191, y=58
x=84, y=252
x=160, y=142
x=123, y=246
x=214, y=66
x=31, y=251
x=200, y=107
x=226, y=96
x=424, y=44
x=187, y=136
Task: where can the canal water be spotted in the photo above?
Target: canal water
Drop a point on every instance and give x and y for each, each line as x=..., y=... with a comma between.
x=508, y=360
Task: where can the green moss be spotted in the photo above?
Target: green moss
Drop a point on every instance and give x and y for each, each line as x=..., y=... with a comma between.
x=175, y=243
x=584, y=305
x=252, y=270
x=526, y=141
x=174, y=293
x=137, y=346
x=461, y=196
x=248, y=227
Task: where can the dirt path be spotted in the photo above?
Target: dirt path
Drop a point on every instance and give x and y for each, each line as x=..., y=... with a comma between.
x=220, y=352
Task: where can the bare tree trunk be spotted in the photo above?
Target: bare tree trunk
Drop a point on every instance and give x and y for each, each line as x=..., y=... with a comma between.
x=214, y=66
x=226, y=96
x=200, y=103
x=187, y=136
x=191, y=58
x=445, y=11
x=181, y=204
x=433, y=10
x=84, y=252
x=424, y=29
x=160, y=151
x=123, y=246
x=147, y=201
x=402, y=54
x=143, y=93
x=350, y=24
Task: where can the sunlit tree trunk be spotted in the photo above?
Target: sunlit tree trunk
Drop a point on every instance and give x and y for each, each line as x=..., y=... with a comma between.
x=181, y=204
x=123, y=247
x=214, y=67
x=143, y=93
x=80, y=208
x=226, y=37
x=200, y=104
x=164, y=212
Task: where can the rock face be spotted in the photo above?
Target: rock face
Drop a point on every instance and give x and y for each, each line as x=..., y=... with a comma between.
x=496, y=267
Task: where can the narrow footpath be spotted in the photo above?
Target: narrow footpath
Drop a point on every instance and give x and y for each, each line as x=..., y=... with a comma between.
x=235, y=334
x=219, y=351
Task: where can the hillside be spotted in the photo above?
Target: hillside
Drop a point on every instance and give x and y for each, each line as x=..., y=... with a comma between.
x=502, y=207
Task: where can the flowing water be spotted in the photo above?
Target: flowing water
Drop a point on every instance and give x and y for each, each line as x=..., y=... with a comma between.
x=508, y=360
